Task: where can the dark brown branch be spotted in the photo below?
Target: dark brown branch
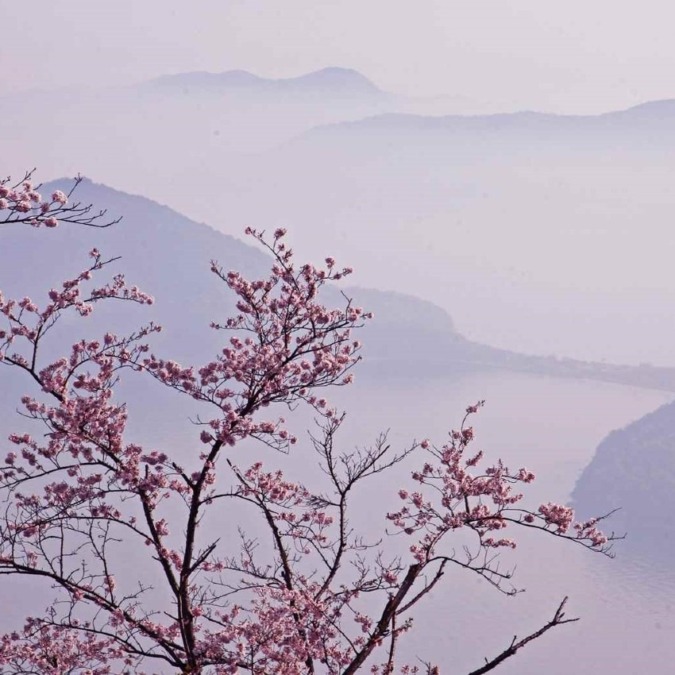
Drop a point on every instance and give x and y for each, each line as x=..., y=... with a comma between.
x=385, y=621
x=557, y=620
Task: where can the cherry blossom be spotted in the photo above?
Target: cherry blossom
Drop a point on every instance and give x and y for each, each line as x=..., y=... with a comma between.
x=314, y=596
x=20, y=202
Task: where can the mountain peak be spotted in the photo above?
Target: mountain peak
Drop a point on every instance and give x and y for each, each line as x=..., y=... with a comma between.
x=334, y=77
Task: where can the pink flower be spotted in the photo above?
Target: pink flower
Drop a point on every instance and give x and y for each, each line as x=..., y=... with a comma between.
x=60, y=197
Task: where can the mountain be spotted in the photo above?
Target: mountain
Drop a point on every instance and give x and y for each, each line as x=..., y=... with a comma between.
x=537, y=222
x=180, y=124
x=647, y=130
x=203, y=80
x=519, y=225
x=168, y=255
x=327, y=81
x=634, y=469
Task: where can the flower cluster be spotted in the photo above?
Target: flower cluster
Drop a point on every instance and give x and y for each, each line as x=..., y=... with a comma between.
x=280, y=631
x=54, y=650
x=459, y=497
x=22, y=202
x=288, y=345
x=28, y=323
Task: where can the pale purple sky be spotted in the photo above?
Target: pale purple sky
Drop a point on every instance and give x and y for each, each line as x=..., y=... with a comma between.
x=574, y=56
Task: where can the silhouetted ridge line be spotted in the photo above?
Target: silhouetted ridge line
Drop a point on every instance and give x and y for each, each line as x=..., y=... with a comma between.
x=332, y=78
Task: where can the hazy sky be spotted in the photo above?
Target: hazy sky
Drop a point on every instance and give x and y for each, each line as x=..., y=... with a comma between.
x=573, y=56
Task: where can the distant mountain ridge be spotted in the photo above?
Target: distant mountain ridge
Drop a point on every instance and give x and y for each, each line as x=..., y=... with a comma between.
x=349, y=79
x=527, y=122
x=331, y=79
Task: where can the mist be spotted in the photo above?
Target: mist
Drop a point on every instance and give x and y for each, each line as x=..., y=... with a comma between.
x=499, y=176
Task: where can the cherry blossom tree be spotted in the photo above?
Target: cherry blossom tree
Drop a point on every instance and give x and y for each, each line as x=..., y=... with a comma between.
x=312, y=595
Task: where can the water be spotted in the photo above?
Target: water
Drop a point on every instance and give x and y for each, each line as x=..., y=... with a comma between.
x=626, y=605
